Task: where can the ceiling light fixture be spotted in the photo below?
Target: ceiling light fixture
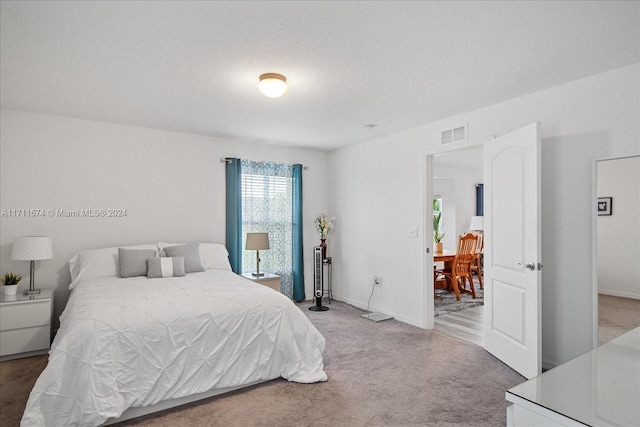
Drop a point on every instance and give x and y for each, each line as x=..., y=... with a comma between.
x=272, y=85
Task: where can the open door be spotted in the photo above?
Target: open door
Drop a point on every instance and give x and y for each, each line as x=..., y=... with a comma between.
x=512, y=254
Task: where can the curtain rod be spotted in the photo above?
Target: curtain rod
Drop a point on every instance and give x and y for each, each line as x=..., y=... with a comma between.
x=228, y=160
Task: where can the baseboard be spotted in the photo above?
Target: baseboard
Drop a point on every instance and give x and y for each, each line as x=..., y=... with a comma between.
x=23, y=355
x=547, y=364
x=618, y=294
x=363, y=307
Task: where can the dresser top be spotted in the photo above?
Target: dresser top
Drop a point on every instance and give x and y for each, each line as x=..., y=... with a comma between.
x=19, y=297
x=262, y=277
x=600, y=387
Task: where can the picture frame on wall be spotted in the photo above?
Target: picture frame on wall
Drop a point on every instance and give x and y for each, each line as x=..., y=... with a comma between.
x=605, y=206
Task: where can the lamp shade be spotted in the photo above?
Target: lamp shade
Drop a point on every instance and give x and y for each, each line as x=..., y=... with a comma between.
x=477, y=223
x=273, y=85
x=29, y=248
x=257, y=241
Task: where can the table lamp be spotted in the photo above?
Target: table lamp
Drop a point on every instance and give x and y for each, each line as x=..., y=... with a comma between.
x=477, y=223
x=32, y=248
x=257, y=242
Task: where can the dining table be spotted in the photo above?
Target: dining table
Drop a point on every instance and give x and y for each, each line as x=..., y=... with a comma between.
x=447, y=256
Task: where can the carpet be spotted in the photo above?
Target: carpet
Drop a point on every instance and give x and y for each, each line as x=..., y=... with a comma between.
x=447, y=302
x=616, y=316
x=380, y=374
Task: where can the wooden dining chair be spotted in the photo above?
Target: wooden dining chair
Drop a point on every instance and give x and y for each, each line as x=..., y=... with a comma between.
x=460, y=272
x=477, y=261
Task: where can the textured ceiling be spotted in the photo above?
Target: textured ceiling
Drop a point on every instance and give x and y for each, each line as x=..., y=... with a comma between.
x=193, y=66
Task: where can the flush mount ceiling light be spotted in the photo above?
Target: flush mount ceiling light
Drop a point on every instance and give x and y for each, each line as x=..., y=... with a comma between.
x=272, y=85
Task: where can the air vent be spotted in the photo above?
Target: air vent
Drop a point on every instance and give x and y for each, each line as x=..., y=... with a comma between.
x=455, y=134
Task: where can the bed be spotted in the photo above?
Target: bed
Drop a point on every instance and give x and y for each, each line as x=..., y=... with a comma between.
x=129, y=344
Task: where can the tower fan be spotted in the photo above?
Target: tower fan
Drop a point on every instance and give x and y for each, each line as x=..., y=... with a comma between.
x=318, y=280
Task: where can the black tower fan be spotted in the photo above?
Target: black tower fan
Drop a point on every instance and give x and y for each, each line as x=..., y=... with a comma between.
x=318, y=282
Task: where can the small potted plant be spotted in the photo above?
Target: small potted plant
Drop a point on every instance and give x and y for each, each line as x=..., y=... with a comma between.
x=10, y=283
x=438, y=235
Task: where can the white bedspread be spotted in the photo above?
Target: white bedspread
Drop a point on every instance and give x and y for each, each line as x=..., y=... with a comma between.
x=135, y=342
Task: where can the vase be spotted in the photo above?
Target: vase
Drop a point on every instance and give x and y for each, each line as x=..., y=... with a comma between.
x=10, y=289
x=323, y=245
x=438, y=248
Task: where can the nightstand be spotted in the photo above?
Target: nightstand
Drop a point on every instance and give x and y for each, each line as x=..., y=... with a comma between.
x=270, y=280
x=25, y=324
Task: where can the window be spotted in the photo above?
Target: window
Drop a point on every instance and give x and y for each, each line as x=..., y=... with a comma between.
x=266, y=197
x=267, y=206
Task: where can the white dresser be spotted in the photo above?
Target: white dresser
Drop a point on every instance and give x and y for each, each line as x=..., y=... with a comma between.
x=598, y=388
x=25, y=324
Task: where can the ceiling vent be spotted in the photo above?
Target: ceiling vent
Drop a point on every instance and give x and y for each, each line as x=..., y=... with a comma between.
x=455, y=134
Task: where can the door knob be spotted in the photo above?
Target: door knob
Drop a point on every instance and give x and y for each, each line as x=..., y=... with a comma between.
x=530, y=266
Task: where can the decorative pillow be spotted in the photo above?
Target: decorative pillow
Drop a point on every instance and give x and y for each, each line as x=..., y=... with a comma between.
x=165, y=267
x=133, y=262
x=212, y=255
x=101, y=262
x=191, y=254
x=162, y=246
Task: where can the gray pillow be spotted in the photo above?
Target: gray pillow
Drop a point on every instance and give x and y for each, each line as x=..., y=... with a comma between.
x=165, y=267
x=133, y=262
x=191, y=254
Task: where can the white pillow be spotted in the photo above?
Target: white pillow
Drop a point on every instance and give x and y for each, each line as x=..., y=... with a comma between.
x=102, y=262
x=212, y=255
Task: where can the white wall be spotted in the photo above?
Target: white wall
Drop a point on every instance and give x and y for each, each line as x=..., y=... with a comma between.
x=619, y=234
x=462, y=197
x=171, y=184
x=377, y=201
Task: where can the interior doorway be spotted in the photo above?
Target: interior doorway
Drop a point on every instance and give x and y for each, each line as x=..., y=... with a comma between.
x=455, y=176
x=617, y=247
x=512, y=250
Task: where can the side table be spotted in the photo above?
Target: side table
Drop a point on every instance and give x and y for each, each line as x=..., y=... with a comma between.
x=25, y=324
x=270, y=280
x=328, y=263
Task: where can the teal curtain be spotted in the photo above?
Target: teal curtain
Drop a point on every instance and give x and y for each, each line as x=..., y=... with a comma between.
x=234, y=213
x=266, y=207
x=298, y=256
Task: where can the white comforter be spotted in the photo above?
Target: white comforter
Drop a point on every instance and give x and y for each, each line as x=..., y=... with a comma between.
x=135, y=342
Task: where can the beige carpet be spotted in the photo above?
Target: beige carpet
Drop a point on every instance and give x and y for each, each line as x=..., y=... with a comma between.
x=616, y=316
x=380, y=374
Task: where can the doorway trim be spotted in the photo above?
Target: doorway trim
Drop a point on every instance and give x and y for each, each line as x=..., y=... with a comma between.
x=427, y=242
x=594, y=240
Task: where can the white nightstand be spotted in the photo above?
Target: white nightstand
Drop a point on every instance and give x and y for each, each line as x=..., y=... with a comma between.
x=270, y=280
x=25, y=324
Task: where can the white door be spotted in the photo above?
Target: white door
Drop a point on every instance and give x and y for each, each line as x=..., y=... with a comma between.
x=512, y=249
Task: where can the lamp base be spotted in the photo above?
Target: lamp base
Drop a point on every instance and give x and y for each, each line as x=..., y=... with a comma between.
x=257, y=274
x=33, y=292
